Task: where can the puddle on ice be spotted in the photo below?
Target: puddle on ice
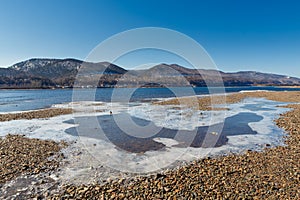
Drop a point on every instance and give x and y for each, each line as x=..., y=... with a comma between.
x=142, y=137
x=111, y=129
x=146, y=137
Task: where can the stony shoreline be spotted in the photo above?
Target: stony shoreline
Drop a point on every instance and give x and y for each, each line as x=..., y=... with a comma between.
x=36, y=114
x=271, y=174
x=21, y=156
x=205, y=103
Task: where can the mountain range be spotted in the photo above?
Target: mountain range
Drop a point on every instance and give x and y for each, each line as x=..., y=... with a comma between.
x=61, y=73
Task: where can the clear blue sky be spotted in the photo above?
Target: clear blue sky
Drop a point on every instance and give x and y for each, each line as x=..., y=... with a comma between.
x=239, y=35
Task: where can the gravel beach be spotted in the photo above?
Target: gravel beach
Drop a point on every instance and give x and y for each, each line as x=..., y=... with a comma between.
x=271, y=174
x=26, y=157
x=205, y=103
x=43, y=113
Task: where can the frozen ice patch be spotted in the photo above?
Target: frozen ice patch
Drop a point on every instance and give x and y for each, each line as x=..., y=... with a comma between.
x=96, y=153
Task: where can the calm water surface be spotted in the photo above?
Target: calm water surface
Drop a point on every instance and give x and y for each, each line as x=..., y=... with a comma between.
x=21, y=100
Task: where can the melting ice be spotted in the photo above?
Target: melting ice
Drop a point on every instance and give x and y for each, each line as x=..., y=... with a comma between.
x=164, y=134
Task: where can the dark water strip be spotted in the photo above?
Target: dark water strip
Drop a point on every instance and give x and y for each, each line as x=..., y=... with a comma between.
x=206, y=136
x=22, y=100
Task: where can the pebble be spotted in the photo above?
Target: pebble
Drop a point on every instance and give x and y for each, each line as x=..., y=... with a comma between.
x=271, y=174
x=43, y=113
